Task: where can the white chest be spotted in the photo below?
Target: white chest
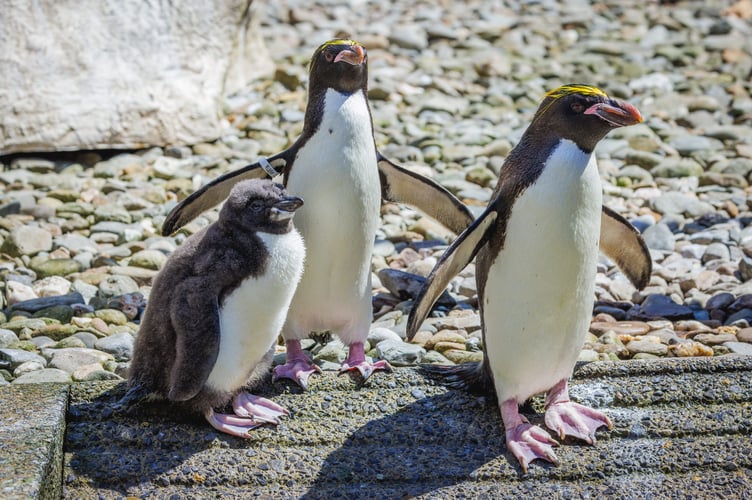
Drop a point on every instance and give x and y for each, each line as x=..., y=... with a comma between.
x=336, y=173
x=539, y=292
x=251, y=317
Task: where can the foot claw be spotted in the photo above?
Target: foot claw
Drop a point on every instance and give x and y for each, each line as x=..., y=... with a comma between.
x=257, y=408
x=365, y=368
x=528, y=442
x=572, y=419
x=297, y=370
x=250, y=412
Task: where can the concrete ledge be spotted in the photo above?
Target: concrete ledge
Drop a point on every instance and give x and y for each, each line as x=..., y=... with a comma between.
x=682, y=427
x=31, y=440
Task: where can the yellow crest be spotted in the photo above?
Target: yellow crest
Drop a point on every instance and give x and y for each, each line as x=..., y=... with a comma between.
x=566, y=90
x=336, y=41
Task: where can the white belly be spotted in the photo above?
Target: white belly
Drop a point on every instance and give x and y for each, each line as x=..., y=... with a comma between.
x=337, y=175
x=252, y=316
x=539, y=293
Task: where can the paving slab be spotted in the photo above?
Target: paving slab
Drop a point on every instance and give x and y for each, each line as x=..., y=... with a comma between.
x=682, y=429
x=31, y=440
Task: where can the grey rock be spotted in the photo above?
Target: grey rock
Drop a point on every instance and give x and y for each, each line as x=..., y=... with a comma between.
x=677, y=167
x=120, y=345
x=7, y=337
x=409, y=36
x=41, y=303
x=644, y=346
x=745, y=268
x=399, y=353
x=190, y=100
x=716, y=251
x=76, y=243
x=17, y=357
x=115, y=285
x=659, y=237
x=71, y=359
x=742, y=348
x=45, y=376
x=87, y=338
x=334, y=352
x=27, y=240
x=679, y=203
x=377, y=335
x=148, y=259
x=688, y=144
x=435, y=358
x=28, y=366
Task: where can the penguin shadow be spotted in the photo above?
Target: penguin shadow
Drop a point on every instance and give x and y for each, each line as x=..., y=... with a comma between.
x=110, y=449
x=434, y=442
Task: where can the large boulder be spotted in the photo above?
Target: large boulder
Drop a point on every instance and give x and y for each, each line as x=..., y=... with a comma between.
x=91, y=74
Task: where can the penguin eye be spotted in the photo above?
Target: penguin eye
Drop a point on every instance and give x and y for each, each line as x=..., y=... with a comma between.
x=328, y=56
x=257, y=205
x=577, y=107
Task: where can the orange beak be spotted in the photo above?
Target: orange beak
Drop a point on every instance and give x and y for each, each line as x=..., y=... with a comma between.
x=617, y=113
x=355, y=55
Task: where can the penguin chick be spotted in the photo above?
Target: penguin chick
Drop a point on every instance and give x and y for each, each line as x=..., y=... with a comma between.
x=216, y=308
x=335, y=166
x=536, y=245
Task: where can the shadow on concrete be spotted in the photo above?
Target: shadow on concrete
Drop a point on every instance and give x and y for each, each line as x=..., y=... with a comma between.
x=681, y=429
x=435, y=442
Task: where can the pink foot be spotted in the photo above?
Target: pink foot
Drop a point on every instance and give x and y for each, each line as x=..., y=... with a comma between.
x=356, y=360
x=527, y=442
x=571, y=419
x=258, y=408
x=250, y=412
x=298, y=367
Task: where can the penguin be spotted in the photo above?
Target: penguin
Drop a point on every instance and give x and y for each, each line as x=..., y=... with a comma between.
x=335, y=166
x=536, y=246
x=216, y=308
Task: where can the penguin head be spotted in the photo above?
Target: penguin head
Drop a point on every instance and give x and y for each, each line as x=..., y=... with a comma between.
x=339, y=64
x=582, y=114
x=259, y=205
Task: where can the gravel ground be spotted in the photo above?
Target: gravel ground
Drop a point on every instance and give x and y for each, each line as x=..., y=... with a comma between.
x=452, y=87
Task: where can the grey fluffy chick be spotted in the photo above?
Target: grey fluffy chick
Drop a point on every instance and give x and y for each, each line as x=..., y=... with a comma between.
x=216, y=308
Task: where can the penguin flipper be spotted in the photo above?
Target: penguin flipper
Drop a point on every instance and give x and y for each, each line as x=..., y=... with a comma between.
x=623, y=244
x=403, y=186
x=217, y=190
x=196, y=320
x=456, y=257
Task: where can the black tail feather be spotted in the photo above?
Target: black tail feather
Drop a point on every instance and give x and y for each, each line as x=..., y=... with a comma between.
x=472, y=377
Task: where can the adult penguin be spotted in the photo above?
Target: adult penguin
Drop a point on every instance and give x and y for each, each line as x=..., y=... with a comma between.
x=537, y=244
x=216, y=308
x=334, y=165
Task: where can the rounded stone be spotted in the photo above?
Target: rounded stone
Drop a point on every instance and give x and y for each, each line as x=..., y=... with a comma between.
x=45, y=376
x=148, y=259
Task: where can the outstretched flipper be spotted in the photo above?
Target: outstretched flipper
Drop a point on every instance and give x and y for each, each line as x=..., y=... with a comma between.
x=622, y=243
x=403, y=186
x=456, y=257
x=217, y=190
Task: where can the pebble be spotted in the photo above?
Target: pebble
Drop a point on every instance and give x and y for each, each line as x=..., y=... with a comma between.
x=45, y=376
x=399, y=353
x=450, y=96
